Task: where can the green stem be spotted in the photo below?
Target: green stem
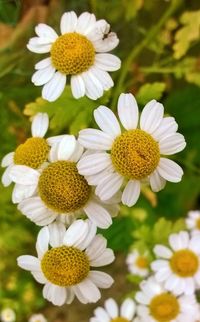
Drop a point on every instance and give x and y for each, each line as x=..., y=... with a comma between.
x=137, y=50
x=157, y=70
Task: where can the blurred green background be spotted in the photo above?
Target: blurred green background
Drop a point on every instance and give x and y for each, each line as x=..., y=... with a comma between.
x=159, y=47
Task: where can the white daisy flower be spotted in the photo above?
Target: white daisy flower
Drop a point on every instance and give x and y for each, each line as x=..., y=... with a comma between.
x=80, y=52
x=8, y=315
x=179, y=266
x=62, y=192
x=37, y=318
x=65, y=268
x=193, y=221
x=137, y=264
x=112, y=313
x=134, y=155
x=158, y=305
x=32, y=153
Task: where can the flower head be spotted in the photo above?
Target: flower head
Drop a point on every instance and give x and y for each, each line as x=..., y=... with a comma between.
x=62, y=193
x=159, y=305
x=111, y=312
x=178, y=266
x=133, y=156
x=138, y=264
x=37, y=318
x=7, y=315
x=80, y=52
x=193, y=221
x=65, y=267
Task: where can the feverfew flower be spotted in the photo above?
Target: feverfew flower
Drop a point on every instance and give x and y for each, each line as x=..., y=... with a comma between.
x=193, y=221
x=32, y=153
x=132, y=156
x=37, y=318
x=111, y=312
x=158, y=305
x=137, y=264
x=178, y=267
x=65, y=267
x=80, y=52
x=62, y=193
x=7, y=315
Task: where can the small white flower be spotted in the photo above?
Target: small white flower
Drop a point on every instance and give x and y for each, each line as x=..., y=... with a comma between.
x=137, y=264
x=135, y=155
x=193, y=222
x=179, y=266
x=65, y=268
x=156, y=304
x=111, y=312
x=37, y=318
x=8, y=315
x=62, y=193
x=80, y=52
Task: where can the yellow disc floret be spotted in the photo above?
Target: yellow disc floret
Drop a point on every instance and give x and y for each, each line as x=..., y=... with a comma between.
x=184, y=263
x=65, y=266
x=33, y=153
x=135, y=154
x=72, y=53
x=164, y=307
x=62, y=188
x=141, y=262
x=119, y=319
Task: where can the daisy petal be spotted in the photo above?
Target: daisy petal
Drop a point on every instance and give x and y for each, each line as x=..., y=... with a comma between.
x=21, y=192
x=54, y=88
x=95, y=139
x=55, y=294
x=29, y=263
x=106, y=258
x=128, y=309
x=86, y=22
x=96, y=248
x=42, y=243
x=66, y=147
x=43, y=76
x=7, y=160
x=39, y=277
x=128, y=111
x=107, y=121
x=76, y=233
x=6, y=179
x=97, y=214
x=101, y=279
x=131, y=193
x=43, y=63
x=111, y=183
x=90, y=290
x=103, y=77
x=93, y=86
x=168, y=126
x=56, y=232
x=77, y=86
x=156, y=181
x=43, y=30
x=39, y=49
x=94, y=163
x=24, y=175
x=162, y=251
x=40, y=125
x=107, y=62
x=151, y=116
x=172, y=144
x=106, y=44
x=68, y=22
x=169, y=170
x=112, y=308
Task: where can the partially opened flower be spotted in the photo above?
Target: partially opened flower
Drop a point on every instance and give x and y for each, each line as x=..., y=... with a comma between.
x=80, y=52
x=65, y=267
x=159, y=305
x=193, y=221
x=112, y=313
x=178, y=266
x=138, y=264
x=37, y=318
x=8, y=315
x=62, y=193
x=32, y=153
x=134, y=155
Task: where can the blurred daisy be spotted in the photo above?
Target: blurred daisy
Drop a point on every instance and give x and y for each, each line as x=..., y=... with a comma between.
x=65, y=268
x=137, y=264
x=80, y=52
x=62, y=192
x=134, y=155
x=156, y=304
x=8, y=315
x=179, y=266
x=193, y=221
x=111, y=312
x=37, y=318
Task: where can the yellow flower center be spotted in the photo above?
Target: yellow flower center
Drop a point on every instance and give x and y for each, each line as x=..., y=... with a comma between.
x=119, y=319
x=184, y=263
x=33, y=153
x=141, y=262
x=72, y=53
x=135, y=154
x=164, y=307
x=65, y=266
x=198, y=223
x=62, y=188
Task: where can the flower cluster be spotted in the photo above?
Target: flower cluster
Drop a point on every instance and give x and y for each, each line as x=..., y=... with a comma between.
x=70, y=186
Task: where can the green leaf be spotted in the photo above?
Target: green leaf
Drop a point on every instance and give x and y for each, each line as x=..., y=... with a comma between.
x=150, y=91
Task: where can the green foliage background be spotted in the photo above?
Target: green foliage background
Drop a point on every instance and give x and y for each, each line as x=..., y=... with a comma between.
x=159, y=47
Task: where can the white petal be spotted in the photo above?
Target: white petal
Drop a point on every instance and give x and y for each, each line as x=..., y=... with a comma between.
x=76, y=233
x=6, y=179
x=111, y=183
x=175, y=242
x=56, y=232
x=107, y=62
x=68, y=22
x=131, y=193
x=40, y=124
x=43, y=30
x=170, y=170
x=98, y=214
x=106, y=44
x=94, y=88
x=107, y=121
x=112, y=308
x=156, y=181
x=21, y=192
x=29, y=263
x=80, y=296
x=7, y=160
x=70, y=295
x=142, y=298
x=106, y=258
x=90, y=290
x=24, y=175
x=93, y=163
x=101, y=314
x=95, y=139
x=86, y=21
x=55, y=294
x=42, y=243
x=55, y=139
x=94, y=180
x=96, y=248
x=39, y=277
x=103, y=77
x=101, y=279
x=128, y=309
x=151, y=116
x=77, y=86
x=43, y=63
x=39, y=49
x=128, y=111
x=92, y=229
x=66, y=147
x=43, y=76
x=162, y=251
x=159, y=264
x=172, y=144
x=168, y=126
x=77, y=152
x=54, y=88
